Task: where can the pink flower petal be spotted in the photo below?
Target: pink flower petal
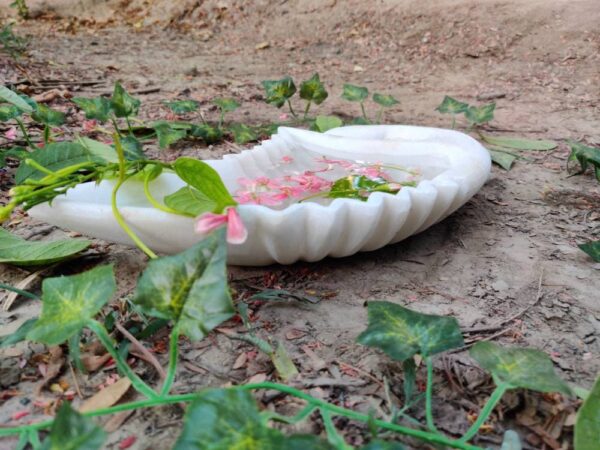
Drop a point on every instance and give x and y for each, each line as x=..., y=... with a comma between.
x=236, y=231
x=208, y=222
x=11, y=134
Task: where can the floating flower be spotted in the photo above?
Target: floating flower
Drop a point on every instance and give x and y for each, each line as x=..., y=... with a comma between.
x=236, y=231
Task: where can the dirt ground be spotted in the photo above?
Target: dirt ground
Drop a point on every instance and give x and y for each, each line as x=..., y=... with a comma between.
x=506, y=265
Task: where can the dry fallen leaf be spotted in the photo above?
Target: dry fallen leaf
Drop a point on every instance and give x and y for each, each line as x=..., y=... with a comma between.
x=94, y=362
x=52, y=368
x=107, y=396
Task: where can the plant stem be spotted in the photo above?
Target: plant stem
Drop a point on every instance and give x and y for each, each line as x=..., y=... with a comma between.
x=364, y=113
x=173, y=354
x=453, y=121
x=152, y=200
x=333, y=436
x=308, y=103
x=485, y=412
x=115, y=209
x=24, y=131
x=428, y=395
x=379, y=115
x=19, y=291
x=115, y=124
x=106, y=341
x=291, y=109
x=46, y=134
x=299, y=417
x=129, y=126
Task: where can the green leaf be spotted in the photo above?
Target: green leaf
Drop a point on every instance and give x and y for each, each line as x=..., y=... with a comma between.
x=503, y=159
x=452, y=106
x=123, y=104
x=511, y=441
x=226, y=104
x=242, y=134
x=167, y=135
x=284, y=365
x=402, y=333
x=19, y=335
x=207, y=180
x=385, y=100
x=99, y=149
x=230, y=419
x=132, y=148
x=354, y=93
x=279, y=91
x=325, y=123
x=585, y=156
x=16, y=99
x=209, y=134
x=69, y=302
x=9, y=112
x=587, y=426
x=97, y=108
x=190, y=202
x=383, y=445
x=360, y=121
x=73, y=431
x=19, y=252
x=359, y=187
x=481, y=114
x=56, y=156
x=16, y=153
x=313, y=90
x=189, y=288
x=520, y=143
x=592, y=249
x=519, y=367
x=48, y=116
x=182, y=106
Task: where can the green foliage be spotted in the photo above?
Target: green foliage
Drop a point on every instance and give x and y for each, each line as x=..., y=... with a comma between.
x=22, y=9
x=183, y=106
x=587, y=427
x=242, y=134
x=72, y=431
x=189, y=288
x=15, y=99
x=189, y=202
x=592, y=249
x=167, y=134
x=279, y=91
x=354, y=93
x=359, y=187
x=519, y=367
x=69, y=303
x=48, y=116
x=98, y=108
x=132, y=148
x=15, y=153
x=19, y=335
x=312, y=90
x=19, y=252
x=385, y=100
x=479, y=115
x=325, y=123
x=11, y=43
x=503, y=159
x=585, y=156
x=452, y=106
x=207, y=133
x=520, y=143
x=402, y=333
x=123, y=104
x=9, y=112
x=226, y=104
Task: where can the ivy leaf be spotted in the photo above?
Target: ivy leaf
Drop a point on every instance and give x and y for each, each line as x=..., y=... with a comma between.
x=189, y=288
x=592, y=249
x=208, y=134
x=402, y=333
x=73, y=431
x=228, y=419
x=452, y=106
x=97, y=108
x=385, y=100
x=167, y=135
x=123, y=104
x=48, y=116
x=9, y=112
x=69, y=302
x=325, y=123
x=226, y=104
x=19, y=252
x=242, y=134
x=18, y=335
x=585, y=156
x=354, y=93
x=16, y=99
x=279, y=91
x=503, y=159
x=189, y=201
x=520, y=143
x=587, y=426
x=182, y=106
x=519, y=367
x=207, y=180
x=313, y=90
x=481, y=114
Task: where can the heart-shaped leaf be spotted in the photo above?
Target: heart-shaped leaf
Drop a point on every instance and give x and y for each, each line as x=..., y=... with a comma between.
x=587, y=427
x=97, y=108
x=19, y=252
x=452, y=106
x=9, y=112
x=354, y=93
x=73, y=431
x=226, y=104
x=592, y=249
x=132, y=148
x=481, y=114
x=207, y=180
x=313, y=90
x=520, y=143
x=385, y=100
x=519, y=367
x=585, y=156
x=48, y=116
x=182, y=106
x=123, y=104
x=16, y=99
x=242, y=134
x=189, y=288
x=190, y=202
x=167, y=135
x=325, y=123
x=207, y=133
x=402, y=333
x=503, y=159
x=68, y=303
x=279, y=91
x=228, y=419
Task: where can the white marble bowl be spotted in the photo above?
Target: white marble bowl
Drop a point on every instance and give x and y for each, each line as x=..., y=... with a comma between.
x=453, y=168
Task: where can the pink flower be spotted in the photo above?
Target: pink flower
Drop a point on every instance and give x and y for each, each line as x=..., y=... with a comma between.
x=11, y=134
x=310, y=182
x=283, y=116
x=236, y=231
x=340, y=162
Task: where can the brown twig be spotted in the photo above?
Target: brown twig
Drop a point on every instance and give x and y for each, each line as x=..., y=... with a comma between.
x=75, y=382
x=142, y=350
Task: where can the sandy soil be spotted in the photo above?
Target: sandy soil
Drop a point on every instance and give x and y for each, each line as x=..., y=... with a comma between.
x=506, y=264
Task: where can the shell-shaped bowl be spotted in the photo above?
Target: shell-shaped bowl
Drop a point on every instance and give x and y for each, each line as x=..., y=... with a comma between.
x=453, y=167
